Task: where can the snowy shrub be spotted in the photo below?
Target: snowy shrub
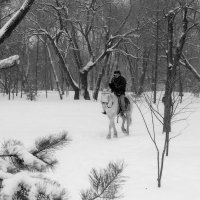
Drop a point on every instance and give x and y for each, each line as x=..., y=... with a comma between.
x=30, y=92
x=28, y=186
x=22, y=192
x=22, y=170
x=22, y=173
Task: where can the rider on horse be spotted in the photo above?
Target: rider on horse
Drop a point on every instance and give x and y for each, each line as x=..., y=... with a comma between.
x=118, y=86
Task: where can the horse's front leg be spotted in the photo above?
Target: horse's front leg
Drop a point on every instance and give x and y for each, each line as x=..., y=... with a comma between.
x=123, y=123
x=112, y=125
x=114, y=128
x=109, y=132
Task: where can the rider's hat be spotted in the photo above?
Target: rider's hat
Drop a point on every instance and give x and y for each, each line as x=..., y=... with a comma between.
x=117, y=72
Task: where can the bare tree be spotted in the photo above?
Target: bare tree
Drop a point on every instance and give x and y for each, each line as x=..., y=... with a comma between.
x=156, y=116
x=174, y=54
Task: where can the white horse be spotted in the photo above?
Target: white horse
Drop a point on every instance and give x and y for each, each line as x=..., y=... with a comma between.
x=110, y=105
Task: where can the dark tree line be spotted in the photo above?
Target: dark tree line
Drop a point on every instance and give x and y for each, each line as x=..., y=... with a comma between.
x=67, y=45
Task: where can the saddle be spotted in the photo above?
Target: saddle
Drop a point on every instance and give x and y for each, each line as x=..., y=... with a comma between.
x=127, y=103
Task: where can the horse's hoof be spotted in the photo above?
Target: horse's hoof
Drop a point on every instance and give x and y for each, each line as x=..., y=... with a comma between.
x=115, y=136
x=108, y=137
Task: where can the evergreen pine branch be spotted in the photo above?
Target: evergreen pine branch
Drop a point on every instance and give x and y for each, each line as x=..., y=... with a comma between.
x=43, y=151
x=43, y=188
x=50, y=144
x=58, y=193
x=19, y=159
x=6, y=146
x=46, y=146
x=105, y=184
x=13, y=160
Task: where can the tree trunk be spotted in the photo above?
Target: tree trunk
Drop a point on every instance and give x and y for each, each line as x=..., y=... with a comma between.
x=62, y=81
x=51, y=86
x=65, y=68
x=156, y=56
x=84, y=85
x=36, y=66
x=100, y=76
x=109, y=70
x=54, y=72
x=9, y=84
x=131, y=65
x=180, y=86
x=144, y=69
x=173, y=62
x=45, y=68
x=91, y=77
x=83, y=81
x=0, y=13
x=167, y=99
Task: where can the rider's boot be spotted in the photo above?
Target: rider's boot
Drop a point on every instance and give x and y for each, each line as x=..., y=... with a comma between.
x=122, y=105
x=104, y=112
x=122, y=114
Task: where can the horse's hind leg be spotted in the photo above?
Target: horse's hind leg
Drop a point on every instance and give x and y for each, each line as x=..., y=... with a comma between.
x=109, y=132
x=128, y=123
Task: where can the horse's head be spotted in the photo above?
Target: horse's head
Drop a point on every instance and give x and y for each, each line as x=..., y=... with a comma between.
x=107, y=98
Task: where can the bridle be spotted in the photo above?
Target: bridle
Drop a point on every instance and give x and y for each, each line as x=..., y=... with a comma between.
x=106, y=103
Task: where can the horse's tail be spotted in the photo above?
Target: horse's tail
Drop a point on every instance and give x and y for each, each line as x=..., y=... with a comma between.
x=131, y=100
x=130, y=122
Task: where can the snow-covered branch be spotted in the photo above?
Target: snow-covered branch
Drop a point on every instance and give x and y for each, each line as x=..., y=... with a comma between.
x=25, y=159
x=9, y=62
x=112, y=43
x=11, y=24
x=21, y=169
x=38, y=158
x=189, y=66
x=91, y=64
x=31, y=185
x=54, y=44
x=124, y=21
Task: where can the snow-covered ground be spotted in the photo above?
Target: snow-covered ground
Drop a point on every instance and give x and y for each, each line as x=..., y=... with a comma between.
x=87, y=126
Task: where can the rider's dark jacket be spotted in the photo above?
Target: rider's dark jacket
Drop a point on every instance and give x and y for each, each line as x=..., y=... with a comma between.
x=118, y=85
